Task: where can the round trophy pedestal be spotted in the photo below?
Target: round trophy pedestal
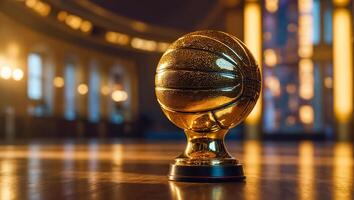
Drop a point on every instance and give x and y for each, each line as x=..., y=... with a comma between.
x=212, y=173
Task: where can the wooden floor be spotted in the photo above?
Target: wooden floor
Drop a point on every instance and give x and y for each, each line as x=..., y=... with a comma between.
x=127, y=170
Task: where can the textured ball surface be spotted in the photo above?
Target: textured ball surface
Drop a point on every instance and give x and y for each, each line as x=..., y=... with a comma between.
x=207, y=81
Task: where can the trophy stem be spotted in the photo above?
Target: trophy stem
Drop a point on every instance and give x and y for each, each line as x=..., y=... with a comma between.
x=206, y=159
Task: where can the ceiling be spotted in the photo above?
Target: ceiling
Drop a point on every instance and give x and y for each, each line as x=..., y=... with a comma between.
x=179, y=14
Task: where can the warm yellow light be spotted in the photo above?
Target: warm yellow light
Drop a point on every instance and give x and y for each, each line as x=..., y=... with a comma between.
x=306, y=153
x=328, y=82
x=39, y=7
x=7, y=188
x=343, y=171
x=253, y=40
x=271, y=5
x=82, y=89
x=273, y=84
x=255, y=116
x=341, y=2
x=110, y=36
x=305, y=36
x=306, y=79
x=143, y=44
x=86, y=26
x=73, y=21
x=305, y=29
x=306, y=170
x=5, y=72
x=58, y=82
x=42, y=8
x=306, y=114
x=17, y=74
x=62, y=16
x=305, y=6
x=122, y=39
x=136, y=42
x=31, y=3
x=105, y=90
x=253, y=165
x=270, y=57
x=162, y=46
x=117, y=154
x=342, y=65
x=119, y=95
x=118, y=38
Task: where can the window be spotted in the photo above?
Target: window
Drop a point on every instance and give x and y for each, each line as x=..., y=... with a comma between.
x=35, y=70
x=70, y=113
x=328, y=25
x=316, y=21
x=94, y=93
x=293, y=91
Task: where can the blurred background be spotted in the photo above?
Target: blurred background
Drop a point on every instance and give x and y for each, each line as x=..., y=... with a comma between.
x=85, y=68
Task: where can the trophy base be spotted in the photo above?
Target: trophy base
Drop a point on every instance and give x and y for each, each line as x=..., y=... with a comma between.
x=212, y=173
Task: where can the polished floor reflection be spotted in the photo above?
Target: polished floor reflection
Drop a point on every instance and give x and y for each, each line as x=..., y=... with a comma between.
x=126, y=170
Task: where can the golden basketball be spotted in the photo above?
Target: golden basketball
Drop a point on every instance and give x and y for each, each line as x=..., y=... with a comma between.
x=207, y=81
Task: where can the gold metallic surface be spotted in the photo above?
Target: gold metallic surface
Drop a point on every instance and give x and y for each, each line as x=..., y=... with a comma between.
x=206, y=83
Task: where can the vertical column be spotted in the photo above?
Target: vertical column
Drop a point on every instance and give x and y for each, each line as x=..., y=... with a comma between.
x=130, y=86
x=58, y=82
x=105, y=95
x=82, y=87
x=306, y=65
x=253, y=40
x=82, y=91
x=233, y=17
x=342, y=68
x=105, y=89
x=133, y=89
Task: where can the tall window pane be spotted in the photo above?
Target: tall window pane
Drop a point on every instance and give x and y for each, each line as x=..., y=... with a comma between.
x=316, y=21
x=94, y=93
x=328, y=25
x=70, y=113
x=35, y=70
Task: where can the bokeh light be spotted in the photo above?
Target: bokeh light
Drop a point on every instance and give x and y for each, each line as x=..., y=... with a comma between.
x=5, y=72
x=82, y=89
x=306, y=114
x=119, y=95
x=17, y=74
x=58, y=82
x=270, y=57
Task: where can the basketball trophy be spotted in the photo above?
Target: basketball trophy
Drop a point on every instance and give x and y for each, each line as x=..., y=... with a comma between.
x=206, y=83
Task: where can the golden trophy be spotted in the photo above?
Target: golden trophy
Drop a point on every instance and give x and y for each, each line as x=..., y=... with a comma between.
x=206, y=83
